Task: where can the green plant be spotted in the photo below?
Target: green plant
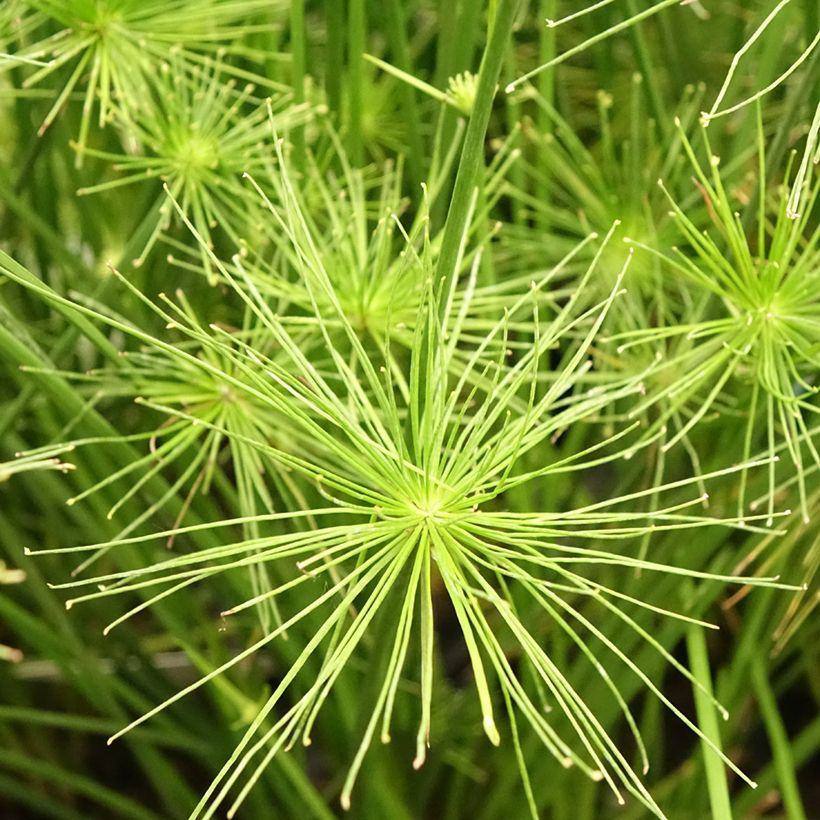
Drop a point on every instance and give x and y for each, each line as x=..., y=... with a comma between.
x=766, y=330
x=417, y=472
x=116, y=46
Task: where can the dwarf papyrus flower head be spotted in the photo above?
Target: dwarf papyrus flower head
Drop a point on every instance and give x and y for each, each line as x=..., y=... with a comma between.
x=757, y=324
x=412, y=463
x=116, y=47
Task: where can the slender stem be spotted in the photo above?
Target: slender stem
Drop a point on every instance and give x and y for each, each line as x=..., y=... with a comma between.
x=546, y=88
x=779, y=742
x=297, y=49
x=357, y=33
x=650, y=84
x=708, y=722
x=472, y=154
x=458, y=37
x=335, y=54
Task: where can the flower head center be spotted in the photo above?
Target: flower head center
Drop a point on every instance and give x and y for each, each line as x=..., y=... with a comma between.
x=196, y=153
x=430, y=508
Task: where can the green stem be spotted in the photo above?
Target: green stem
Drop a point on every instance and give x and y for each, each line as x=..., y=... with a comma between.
x=335, y=54
x=779, y=742
x=472, y=154
x=546, y=88
x=708, y=722
x=357, y=27
x=650, y=83
x=297, y=48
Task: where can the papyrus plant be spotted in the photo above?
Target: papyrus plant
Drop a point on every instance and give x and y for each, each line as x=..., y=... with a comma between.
x=112, y=49
x=759, y=327
x=411, y=462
